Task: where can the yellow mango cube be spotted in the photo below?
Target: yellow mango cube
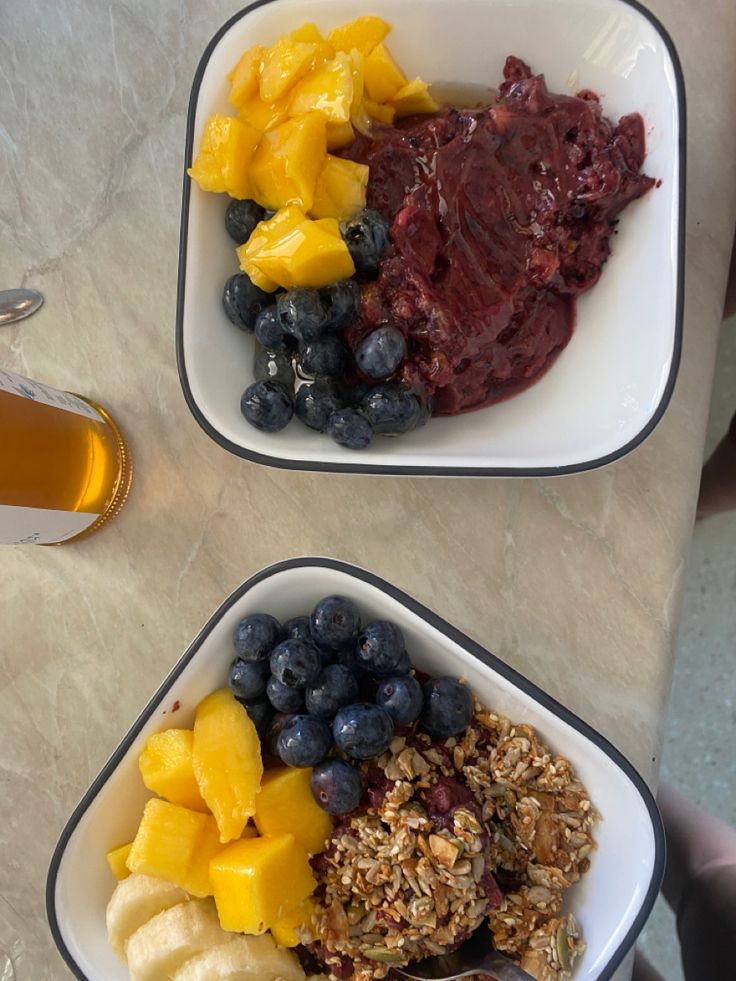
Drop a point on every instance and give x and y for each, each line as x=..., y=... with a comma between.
x=265, y=236
x=175, y=844
x=382, y=114
x=287, y=930
x=166, y=768
x=226, y=758
x=357, y=63
x=288, y=159
x=363, y=33
x=258, y=880
x=284, y=64
x=413, y=99
x=244, y=77
x=328, y=90
x=313, y=255
x=311, y=34
x=339, y=135
x=340, y=189
x=383, y=77
x=117, y=859
x=224, y=157
x=263, y=116
x=286, y=805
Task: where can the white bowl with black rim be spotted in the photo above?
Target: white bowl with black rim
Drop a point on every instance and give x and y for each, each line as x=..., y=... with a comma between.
x=610, y=386
x=613, y=899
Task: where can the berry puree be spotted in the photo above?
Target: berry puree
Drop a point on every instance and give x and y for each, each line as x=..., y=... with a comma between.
x=500, y=216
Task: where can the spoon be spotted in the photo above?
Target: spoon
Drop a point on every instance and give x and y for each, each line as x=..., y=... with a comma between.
x=17, y=304
x=476, y=956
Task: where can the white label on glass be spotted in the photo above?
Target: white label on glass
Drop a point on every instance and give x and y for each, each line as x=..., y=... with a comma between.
x=40, y=526
x=27, y=389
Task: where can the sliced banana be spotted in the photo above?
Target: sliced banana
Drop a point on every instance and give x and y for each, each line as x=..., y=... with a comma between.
x=135, y=900
x=243, y=959
x=159, y=948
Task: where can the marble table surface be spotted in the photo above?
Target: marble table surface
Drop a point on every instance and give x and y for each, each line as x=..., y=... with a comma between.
x=575, y=581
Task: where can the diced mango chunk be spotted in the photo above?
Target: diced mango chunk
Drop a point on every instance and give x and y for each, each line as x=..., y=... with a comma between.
x=244, y=77
x=175, y=844
x=339, y=135
x=383, y=114
x=286, y=805
x=224, y=157
x=357, y=63
x=308, y=33
x=383, y=77
x=284, y=63
x=328, y=90
x=288, y=159
x=258, y=880
x=226, y=757
x=262, y=115
x=340, y=189
x=166, y=768
x=117, y=859
x=363, y=33
x=286, y=931
x=266, y=235
x=413, y=98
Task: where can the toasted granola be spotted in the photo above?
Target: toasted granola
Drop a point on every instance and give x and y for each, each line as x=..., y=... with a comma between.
x=490, y=826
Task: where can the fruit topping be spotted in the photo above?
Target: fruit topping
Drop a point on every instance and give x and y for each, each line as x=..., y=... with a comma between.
x=241, y=218
x=335, y=622
x=243, y=301
x=448, y=707
x=255, y=636
x=303, y=740
x=362, y=731
x=286, y=805
x=350, y=428
x=336, y=786
x=335, y=687
x=366, y=237
x=381, y=352
x=401, y=696
x=267, y=406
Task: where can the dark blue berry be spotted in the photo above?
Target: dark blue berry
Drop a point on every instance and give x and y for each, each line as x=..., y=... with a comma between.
x=315, y=403
x=366, y=237
x=323, y=357
x=303, y=741
x=267, y=406
x=362, y=731
x=381, y=649
x=448, y=707
x=255, y=636
x=336, y=786
x=283, y=698
x=261, y=713
x=350, y=428
x=273, y=366
x=401, y=697
x=247, y=679
x=298, y=629
x=336, y=686
x=381, y=352
x=242, y=301
x=301, y=313
x=241, y=217
x=295, y=663
x=273, y=730
x=269, y=331
x=342, y=302
x=335, y=622
x=393, y=409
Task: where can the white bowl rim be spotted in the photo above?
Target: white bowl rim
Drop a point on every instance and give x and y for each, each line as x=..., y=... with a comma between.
x=443, y=627
x=322, y=466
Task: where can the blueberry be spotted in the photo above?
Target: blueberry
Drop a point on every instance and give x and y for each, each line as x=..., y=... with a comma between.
x=298, y=629
x=301, y=313
x=242, y=301
x=303, y=741
x=401, y=697
x=274, y=367
x=273, y=730
x=295, y=663
x=269, y=331
x=350, y=428
x=335, y=622
x=336, y=686
x=366, y=237
x=255, y=636
x=282, y=697
x=267, y=406
x=241, y=217
x=381, y=352
x=448, y=707
x=381, y=649
x=261, y=713
x=315, y=403
x=336, y=786
x=392, y=409
x=247, y=679
x=342, y=302
x=362, y=731
x=323, y=357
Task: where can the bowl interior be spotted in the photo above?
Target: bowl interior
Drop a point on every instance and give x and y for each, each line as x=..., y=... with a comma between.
x=611, y=382
x=612, y=900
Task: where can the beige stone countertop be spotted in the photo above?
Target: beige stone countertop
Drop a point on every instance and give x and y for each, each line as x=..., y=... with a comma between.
x=575, y=581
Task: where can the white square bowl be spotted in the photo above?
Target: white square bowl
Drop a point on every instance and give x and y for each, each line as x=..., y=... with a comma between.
x=612, y=901
x=610, y=386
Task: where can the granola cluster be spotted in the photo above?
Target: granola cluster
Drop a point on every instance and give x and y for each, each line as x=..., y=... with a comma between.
x=490, y=826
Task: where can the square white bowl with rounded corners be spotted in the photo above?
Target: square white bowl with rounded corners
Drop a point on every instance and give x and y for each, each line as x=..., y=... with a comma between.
x=612, y=901
x=610, y=386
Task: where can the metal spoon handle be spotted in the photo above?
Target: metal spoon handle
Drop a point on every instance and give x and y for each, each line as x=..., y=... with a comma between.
x=501, y=968
x=17, y=304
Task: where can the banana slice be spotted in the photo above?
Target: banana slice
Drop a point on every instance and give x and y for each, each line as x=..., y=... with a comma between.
x=159, y=948
x=135, y=900
x=243, y=959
